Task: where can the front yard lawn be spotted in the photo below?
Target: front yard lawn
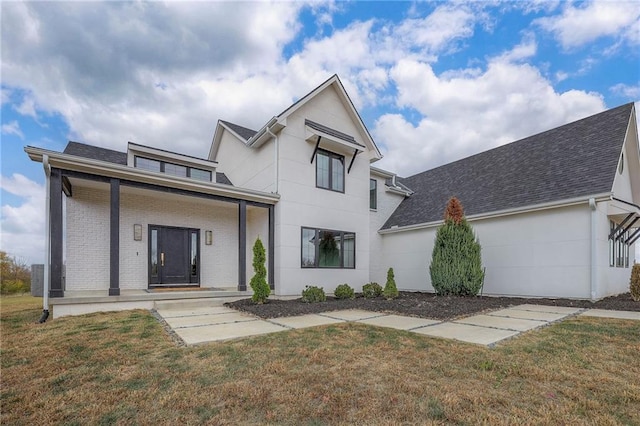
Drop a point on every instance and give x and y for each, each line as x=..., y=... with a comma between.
x=123, y=368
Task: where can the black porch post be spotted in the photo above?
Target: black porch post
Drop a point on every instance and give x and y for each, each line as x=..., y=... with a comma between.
x=114, y=239
x=242, y=246
x=272, y=247
x=55, y=236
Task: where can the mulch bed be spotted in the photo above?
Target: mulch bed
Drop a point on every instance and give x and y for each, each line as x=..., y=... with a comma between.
x=425, y=305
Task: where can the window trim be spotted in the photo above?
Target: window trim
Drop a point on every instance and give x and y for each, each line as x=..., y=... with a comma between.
x=331, y=155
x=317, y=252
x=375, y=194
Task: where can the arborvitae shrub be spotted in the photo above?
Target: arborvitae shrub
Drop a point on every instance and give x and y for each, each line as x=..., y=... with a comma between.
x=456, y=265
x=343, y=291
x=258, y=282
x=634, y=284
x=312, y=294
x=371, y=290
x=390, y=290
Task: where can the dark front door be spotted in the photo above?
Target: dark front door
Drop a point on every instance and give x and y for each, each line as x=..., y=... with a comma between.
x=174, y=256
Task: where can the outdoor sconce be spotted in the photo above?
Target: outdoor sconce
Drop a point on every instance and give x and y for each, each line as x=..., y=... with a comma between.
x=208, y=237
x=137, y=232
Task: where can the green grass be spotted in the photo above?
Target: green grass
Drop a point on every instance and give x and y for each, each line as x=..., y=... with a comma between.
x=123, y=368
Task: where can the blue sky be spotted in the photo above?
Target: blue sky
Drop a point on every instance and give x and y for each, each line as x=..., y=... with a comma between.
x=433, y=81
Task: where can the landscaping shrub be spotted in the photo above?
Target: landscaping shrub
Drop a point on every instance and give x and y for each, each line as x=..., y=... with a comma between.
x=456, y=265
x=371, y=290
x=634, y=284
x=258, y=282
x=312, y=294
x=390, y=290
x=344, y=291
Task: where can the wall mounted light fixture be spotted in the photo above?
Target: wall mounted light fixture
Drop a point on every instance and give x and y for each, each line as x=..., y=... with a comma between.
x=208, y=237
x=137, y=232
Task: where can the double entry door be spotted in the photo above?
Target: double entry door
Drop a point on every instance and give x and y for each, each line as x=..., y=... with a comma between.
x=174, y=256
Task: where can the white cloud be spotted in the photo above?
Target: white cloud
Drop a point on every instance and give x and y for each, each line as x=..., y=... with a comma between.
x=627, y=91
x=469, y=112
x=12, y=128
x=22, y=226
x=577, y=26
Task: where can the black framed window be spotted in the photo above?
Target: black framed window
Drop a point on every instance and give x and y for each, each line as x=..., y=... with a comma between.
x=172, y=169
x=373, y=194
x=618, y=250
x=326, y=248
x=329, y=171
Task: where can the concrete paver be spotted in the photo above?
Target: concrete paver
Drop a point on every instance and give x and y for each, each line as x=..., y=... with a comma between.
x=352, y=314
x=304, y=321
x=551, y=309
x=201, y=310
x=467, y=333
x=601, y=313
x=504, y=323
x=217, y=332
x=399, y=322
x=200, y=320
x=523, y=314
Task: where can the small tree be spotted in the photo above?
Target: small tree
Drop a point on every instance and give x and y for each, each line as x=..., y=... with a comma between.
x=634, y=284
x=390, y=290
x=456, y=265
x=258, y=282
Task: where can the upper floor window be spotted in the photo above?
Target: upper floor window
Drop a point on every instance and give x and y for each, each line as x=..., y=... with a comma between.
x=172, y=169
x=329, y=171
x=373, y=194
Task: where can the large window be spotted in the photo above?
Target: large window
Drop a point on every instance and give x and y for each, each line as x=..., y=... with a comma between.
x=329, y=171
x=618, y=250
x=172, y=169
x=325, y=248
x=373, y=194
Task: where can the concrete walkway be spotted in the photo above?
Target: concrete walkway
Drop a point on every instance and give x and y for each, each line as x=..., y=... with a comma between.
x=201, y=324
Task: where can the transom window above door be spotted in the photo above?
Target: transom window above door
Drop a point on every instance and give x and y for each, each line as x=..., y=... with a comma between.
x=329, y=171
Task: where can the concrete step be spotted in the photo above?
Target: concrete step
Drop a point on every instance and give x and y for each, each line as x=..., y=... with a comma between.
x=217, y=300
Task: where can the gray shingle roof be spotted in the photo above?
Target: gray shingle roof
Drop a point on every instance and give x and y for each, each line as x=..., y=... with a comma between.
x=577, y=159
x=241, y=131
x=332, y=132
x=96, y=153
x=222, y=178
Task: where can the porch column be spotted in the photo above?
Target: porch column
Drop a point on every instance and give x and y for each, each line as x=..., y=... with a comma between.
x=55, y=235
x=242, y=246
x=272, y=247
x=114, y=239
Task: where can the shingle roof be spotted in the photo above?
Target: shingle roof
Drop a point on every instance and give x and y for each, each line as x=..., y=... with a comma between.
x=222, y=178
x=332, y=132
x=241, y=131
x=577, y=159
x=96, y=153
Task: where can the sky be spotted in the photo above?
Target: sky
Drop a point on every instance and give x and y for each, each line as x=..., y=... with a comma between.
x=433, y=81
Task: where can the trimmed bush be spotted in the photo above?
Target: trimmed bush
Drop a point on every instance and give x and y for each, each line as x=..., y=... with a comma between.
x=390, y=290
x=456, y=265
x=313, y=294
x=371, y=290
x=344, y=291
x=258, y=282
x=634, y=284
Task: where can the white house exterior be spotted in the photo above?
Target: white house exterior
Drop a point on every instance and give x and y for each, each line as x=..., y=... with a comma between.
x=147, y=219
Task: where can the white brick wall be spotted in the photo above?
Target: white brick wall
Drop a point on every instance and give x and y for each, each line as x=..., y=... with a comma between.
x=88, y=236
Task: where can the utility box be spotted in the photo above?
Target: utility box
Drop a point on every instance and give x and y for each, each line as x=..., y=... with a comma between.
x=37, y=280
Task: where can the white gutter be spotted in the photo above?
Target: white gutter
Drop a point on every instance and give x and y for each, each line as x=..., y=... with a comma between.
x=276, y=162
x=258, y=136
x=47, y=260
x=507, y=212
x=594, y=254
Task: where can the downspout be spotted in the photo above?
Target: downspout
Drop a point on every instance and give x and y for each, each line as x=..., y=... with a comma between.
x=47, y=259
x=276, y=150
x=594, y=254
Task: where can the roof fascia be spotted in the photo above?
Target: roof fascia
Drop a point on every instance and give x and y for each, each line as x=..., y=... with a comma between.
x=155, y=153
x=217, y=139
x=630, y=133
x=606, y=196
x=103, y=168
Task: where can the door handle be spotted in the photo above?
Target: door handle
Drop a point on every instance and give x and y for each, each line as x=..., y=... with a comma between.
x=161, y=259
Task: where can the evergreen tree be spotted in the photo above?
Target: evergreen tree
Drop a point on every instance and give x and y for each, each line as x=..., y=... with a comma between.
x=390, y=290
x=456, y=264
x=258, y=282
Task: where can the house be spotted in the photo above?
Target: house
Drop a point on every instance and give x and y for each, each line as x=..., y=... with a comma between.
x=555, y=213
